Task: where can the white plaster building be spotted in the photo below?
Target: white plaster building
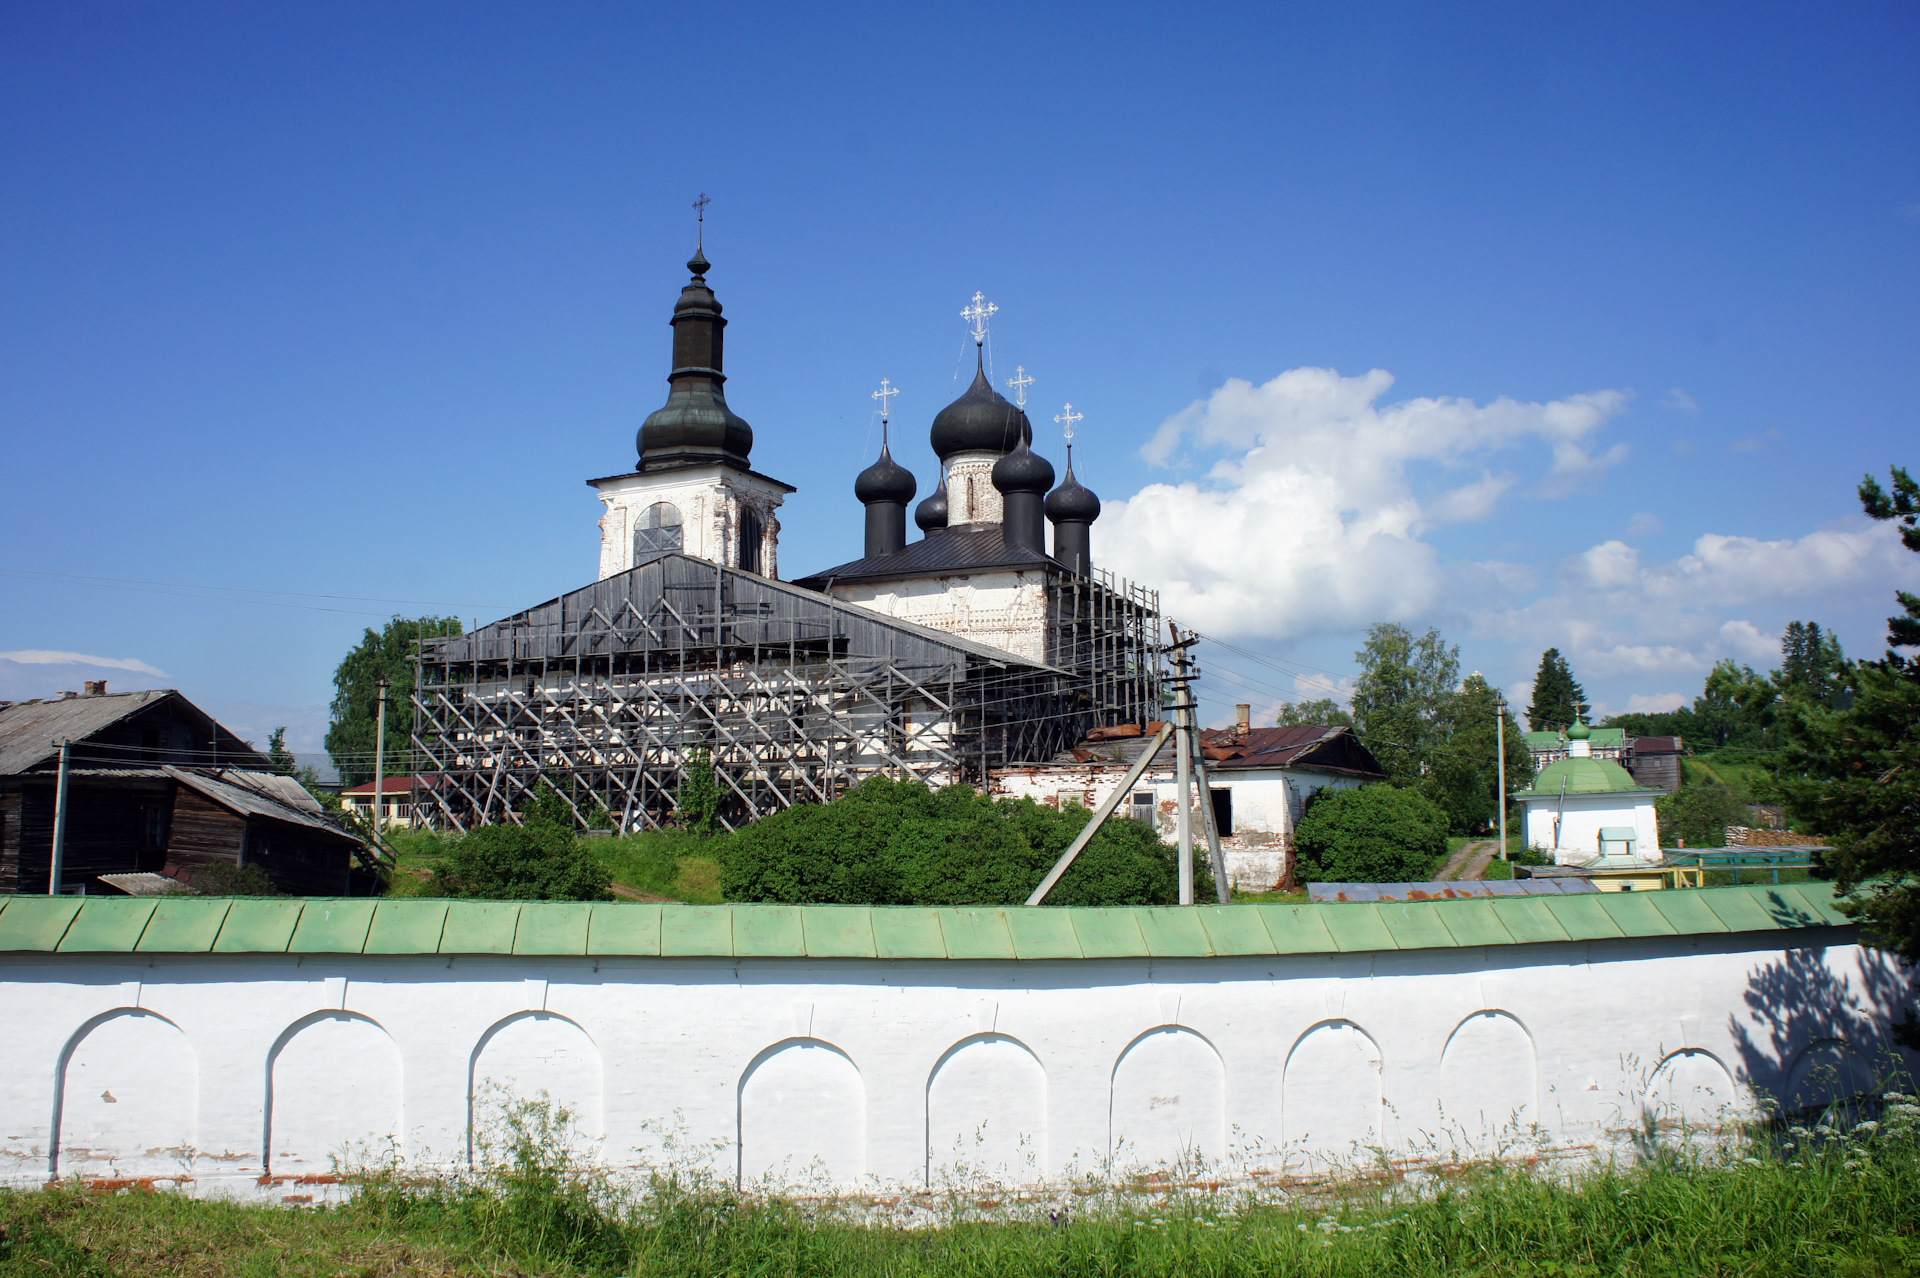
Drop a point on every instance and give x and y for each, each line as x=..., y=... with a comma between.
x=1589, y=812
x=1259, y=781
x=239, y=1048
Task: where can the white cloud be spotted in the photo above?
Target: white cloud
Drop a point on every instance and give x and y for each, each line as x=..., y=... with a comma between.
x=1644, y=524
x=1616, y=615
x=46, y=657
x=1312, y=523
x=1677, y=398
x=1655, y=702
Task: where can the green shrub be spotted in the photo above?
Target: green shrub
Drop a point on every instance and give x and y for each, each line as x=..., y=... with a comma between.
x=538, y=861
x=668, y=863
x=224, y=878
x=1700, y=814
x=899, y=843
x=1375, y=834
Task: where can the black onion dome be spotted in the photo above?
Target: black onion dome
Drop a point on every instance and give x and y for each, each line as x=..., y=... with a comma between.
x=695, y=426
x=1072, y=502
x=1023, y=471
x=931, y=514
x=885, y=480
x=980, y=421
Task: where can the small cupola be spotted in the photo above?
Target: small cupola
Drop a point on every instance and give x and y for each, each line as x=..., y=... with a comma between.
x=1022, y=478
x=931, y=514
x=885, y=488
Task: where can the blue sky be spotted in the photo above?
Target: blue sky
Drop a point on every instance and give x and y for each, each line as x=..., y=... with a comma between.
x=1610, y=306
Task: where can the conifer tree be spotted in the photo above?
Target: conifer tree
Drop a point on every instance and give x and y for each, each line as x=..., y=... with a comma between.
x=1558, y=699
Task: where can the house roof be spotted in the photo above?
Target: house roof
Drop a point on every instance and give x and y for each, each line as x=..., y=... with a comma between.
x=28, y=729
x=964, y=548
x=261, y=794
x=389, y=785
x=1321, y=747
x=217, y=925
x=1324, y=748
x=1659, y=745
x=1583, y=776
x=1557, y=740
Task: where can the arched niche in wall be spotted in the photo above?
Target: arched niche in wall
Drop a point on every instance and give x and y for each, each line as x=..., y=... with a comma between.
x=540, y=1058
x=803, y=1117
x=1330, y=1093
x=1825, y=1071
x=986, y=1114
x=1168, y=1102
x=129, y=1097
x=1489, y=1081
x=333, y=1092
x=1691, y=1087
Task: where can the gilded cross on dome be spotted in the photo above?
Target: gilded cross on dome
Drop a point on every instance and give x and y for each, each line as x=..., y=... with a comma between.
x=978, y=312
x=1018, y=384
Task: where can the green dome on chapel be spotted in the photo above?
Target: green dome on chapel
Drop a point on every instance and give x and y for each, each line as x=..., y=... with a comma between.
x=1583, y=776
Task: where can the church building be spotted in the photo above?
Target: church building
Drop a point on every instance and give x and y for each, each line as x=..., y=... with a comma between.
x=981, y=645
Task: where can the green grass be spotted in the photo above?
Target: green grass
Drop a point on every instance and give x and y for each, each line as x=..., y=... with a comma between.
x=1840, y=1205
x=1739, y=772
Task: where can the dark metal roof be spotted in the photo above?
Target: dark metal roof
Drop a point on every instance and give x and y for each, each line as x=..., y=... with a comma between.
x=960, y=549
x=1658, y=745
x=29, y=729
x=1326, y=749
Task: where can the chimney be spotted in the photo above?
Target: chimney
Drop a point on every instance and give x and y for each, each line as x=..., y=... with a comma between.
x=1244, y=713
x=96, y=687
x=68, y=696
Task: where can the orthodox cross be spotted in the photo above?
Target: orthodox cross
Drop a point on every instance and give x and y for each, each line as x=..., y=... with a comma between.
x=700, y=208
x=1067, y=419
x=977, y=314
x=1018, y=383
x=885, y=394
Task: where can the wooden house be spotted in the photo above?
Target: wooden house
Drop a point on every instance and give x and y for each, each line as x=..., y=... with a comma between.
x=155, y=785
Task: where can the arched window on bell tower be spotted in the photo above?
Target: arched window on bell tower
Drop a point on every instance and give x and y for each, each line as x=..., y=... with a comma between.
x=658, y=530
x=753, y=531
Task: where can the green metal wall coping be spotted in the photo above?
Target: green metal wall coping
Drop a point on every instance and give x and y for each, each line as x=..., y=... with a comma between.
x=196, y=925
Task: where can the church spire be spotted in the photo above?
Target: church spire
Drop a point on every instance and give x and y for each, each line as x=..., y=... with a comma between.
x=695, y=427
x=885, y=488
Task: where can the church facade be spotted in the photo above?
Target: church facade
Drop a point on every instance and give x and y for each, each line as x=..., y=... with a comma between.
x=973, y=648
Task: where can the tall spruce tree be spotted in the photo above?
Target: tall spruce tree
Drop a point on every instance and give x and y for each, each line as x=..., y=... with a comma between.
x=356, y=697
x=1853, y=775
x=1558, y=699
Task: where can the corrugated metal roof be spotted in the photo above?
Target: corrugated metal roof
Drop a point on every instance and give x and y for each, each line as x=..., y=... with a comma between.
x=260, y=794
x=39, y=924
x=1448, y=890
x=1583, y=776
x=29, y=729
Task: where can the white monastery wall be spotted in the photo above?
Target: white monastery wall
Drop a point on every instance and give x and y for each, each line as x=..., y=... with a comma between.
x=1005, y=609
x=243, y=1073
x=1583, y=819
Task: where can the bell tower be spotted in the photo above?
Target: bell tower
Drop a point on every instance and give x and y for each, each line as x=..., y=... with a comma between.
x=693, y=489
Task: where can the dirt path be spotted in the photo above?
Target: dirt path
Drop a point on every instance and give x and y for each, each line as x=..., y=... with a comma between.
x=1470, y=862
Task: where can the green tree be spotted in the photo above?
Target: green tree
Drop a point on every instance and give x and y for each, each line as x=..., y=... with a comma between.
x=1404, y=687
x=1375, y=834
x=698, y=799
x=1558, y=699
x=891, y=842
x=356, y=697
x=279, y=756
x=1697, y=816
x=1463, y=758
x=1853, y=775
x=1322, y=710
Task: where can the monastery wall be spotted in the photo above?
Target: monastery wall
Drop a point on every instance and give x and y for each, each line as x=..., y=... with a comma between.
x=1007, y=610
x=236, y=1049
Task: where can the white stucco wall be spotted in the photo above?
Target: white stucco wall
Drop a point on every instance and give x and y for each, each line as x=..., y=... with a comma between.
x=710, y=500
x=1005, y=609
x=1583, y=819
x=1267, y=803
x=241, y=1073
x=971, y=496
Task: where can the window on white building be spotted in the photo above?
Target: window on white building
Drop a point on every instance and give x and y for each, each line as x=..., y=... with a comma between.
x=658, y=529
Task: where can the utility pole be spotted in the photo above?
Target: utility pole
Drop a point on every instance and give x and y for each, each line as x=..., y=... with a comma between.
x=1183, y=757
x=1211, y=819
x=380, y=762
x=59, y=821
x=1500, y=746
